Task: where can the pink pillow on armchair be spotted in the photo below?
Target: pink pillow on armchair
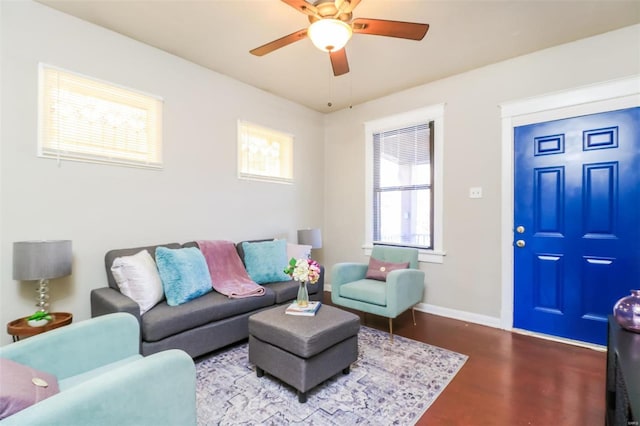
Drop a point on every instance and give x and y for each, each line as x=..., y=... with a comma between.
x=379, y=269
x=22, y=386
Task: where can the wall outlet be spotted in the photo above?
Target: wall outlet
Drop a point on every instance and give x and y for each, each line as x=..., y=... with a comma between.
x=475, y=192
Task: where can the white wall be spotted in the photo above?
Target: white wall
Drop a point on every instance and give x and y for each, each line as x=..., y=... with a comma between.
x=101, y=207
x=197, y=195
x=468, y=284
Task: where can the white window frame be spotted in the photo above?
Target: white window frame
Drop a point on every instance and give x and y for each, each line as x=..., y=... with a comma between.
x=286, y=170
x=50, y=144
x=433, y=113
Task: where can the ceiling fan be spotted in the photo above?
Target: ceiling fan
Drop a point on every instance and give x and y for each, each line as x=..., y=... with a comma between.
x=332, y=26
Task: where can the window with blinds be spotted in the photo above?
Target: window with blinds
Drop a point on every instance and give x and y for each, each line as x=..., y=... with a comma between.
x=264, y=154
x=89, y=120
x=402, y=186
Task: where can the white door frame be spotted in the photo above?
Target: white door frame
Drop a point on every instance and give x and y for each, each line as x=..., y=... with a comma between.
x=607, y=96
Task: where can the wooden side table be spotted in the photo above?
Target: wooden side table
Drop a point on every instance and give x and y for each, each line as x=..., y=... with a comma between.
x=19, y=328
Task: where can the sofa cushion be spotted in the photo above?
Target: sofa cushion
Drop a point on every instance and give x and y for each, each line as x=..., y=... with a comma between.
x=111, y=255
x=22, y=386
x=184, y=273
x=298, y=251
x=72, y=381
x=265, y=261
x=368, y=291
x=137, y=277
x=239, y=247
x=163, y=320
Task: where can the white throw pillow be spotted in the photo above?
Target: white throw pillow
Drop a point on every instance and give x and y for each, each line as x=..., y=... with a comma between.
x=137, y=277
x=298, y=251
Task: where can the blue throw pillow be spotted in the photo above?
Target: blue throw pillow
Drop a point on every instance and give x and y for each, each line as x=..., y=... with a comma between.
x=184, y=274
x=265, y=261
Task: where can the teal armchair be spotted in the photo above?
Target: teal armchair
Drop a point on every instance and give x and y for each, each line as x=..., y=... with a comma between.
x=103, y=379
x=402, y=290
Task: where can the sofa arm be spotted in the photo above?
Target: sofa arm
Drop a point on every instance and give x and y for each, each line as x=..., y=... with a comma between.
x=157, y=390
x=320, y=282
x=346, y=272
x=78, y=347
x=107, y=300
x=405, y=288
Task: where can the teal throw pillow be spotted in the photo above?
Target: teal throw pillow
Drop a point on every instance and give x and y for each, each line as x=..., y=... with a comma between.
x=184, y=274
x=265, y=261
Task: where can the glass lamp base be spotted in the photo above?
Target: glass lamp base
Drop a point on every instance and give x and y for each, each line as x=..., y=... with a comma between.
x=627, y=311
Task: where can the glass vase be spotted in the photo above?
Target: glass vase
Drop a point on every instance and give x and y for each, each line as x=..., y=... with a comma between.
x=303, y=295
x=627, y=311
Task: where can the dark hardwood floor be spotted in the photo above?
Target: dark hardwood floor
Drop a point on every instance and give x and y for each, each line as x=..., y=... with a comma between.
x=509, y=379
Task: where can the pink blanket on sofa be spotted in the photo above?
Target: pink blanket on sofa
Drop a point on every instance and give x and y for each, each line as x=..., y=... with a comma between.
x=227, y=271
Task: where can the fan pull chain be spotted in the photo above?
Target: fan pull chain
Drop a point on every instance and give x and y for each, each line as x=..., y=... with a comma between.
x=350, y=91
x=330, y=103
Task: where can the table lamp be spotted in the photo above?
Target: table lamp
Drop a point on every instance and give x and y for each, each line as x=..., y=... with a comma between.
x=42, y=261
x=310, y=237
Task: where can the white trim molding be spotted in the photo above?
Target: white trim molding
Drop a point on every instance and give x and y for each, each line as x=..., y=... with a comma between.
x=449, y=313
x=602, y=97
x=427, y=256
x=492, y=322
x=433, y=113
x=458, y=315
x=579, y=343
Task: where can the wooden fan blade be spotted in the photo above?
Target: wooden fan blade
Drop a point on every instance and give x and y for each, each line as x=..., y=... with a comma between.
x=352, y=5
x=281, y=42
x=344, y=7
x=339, y=62
x=408, y=30
x=303, y=6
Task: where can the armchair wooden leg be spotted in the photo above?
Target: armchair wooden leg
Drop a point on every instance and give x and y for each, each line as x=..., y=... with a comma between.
x=391, y=329
x=413, y=312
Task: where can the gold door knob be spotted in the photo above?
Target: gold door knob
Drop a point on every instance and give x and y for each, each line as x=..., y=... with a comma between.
x=520, y=229
x=521, y=243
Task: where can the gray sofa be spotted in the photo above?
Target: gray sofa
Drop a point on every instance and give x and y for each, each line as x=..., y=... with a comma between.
x=199, y=326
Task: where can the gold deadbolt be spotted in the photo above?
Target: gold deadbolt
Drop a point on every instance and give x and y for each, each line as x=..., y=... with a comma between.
x=521, y=243
x=520, y=229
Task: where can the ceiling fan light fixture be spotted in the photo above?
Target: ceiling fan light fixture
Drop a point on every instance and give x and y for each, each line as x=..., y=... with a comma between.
x=329, y=35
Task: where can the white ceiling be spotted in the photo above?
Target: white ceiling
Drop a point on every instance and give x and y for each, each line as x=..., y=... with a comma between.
x=463, y=35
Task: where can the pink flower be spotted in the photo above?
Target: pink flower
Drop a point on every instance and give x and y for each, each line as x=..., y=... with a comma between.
x=307, y=270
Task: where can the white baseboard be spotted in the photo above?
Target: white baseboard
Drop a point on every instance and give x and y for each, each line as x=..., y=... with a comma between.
x=579, y=343
x=450, y=313
x=459, y=315
x=491, y=322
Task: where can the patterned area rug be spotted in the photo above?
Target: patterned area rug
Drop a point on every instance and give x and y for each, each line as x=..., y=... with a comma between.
x=390, y=383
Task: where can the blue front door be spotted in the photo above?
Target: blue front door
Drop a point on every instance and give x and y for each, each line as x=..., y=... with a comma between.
x=576, y=222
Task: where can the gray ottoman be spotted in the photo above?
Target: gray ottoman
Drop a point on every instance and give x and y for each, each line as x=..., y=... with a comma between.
x=303, y=351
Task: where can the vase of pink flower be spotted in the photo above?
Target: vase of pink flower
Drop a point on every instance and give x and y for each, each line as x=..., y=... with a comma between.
x=304, y=271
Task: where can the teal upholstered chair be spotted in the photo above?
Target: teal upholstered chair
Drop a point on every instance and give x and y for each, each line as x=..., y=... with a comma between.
x=402, y=290
x=103, y=379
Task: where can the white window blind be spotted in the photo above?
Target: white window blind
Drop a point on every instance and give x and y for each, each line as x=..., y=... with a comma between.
x=264, y=154
x=402, y=186
x=91, y=120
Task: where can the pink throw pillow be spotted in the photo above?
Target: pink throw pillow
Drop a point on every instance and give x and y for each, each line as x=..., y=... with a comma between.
x=379, y=269
x=22, y=386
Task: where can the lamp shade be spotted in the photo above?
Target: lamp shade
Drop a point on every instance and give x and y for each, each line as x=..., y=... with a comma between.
x=329, y=35
x=310, y=237
x=41, y=260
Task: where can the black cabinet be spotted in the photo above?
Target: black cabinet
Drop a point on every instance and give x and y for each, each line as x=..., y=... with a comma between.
x=623, y=377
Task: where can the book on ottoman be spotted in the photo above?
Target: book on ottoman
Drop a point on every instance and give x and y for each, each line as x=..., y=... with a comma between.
x=307, y=311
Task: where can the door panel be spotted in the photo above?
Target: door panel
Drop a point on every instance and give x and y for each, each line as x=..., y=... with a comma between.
x=577, y=197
